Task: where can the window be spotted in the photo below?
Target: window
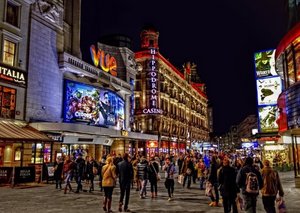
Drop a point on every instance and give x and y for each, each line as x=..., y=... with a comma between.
x=9, y=52
x=7, y=102
x=12, y=14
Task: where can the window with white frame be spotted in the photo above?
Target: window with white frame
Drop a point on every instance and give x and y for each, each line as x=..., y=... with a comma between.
x=9, y=52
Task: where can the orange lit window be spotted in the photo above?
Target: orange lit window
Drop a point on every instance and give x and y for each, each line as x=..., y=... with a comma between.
x=9, y=52
x=7, y=102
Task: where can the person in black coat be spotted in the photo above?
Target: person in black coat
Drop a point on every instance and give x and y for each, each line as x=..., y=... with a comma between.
x=213, y=179
x=125, y=174
x=153, y=174
x=58, y=169
x=228, y=187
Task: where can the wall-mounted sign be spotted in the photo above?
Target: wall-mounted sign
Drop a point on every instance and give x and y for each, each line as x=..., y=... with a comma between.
x=124, y=133
x=268, y=90
x=152, y=76
x=267, y=118
x=12, y=75
x=105, y=61
x=265, y=63
x=93, y=106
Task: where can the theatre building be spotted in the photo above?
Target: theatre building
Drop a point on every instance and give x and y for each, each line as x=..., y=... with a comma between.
x=85, y=107
x=169, y=102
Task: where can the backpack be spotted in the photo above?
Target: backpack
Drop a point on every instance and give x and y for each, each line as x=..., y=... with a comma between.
x=252, y=186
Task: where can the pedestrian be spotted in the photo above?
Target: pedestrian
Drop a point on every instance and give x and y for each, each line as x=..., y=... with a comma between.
x=187, y=171
x=213, y=179
x=58, y=172
x=228, y=187
x=142, y=167
x=169, y=169
x=125, y=174
x=180, y=162
x=80, y=171
x=153, y=176
x=249, y=179
x=201, y=173
x=100, y=165
x=108, y=183
x=68, y=170
x=272, y=186
x=91, y=172
x=135, y=161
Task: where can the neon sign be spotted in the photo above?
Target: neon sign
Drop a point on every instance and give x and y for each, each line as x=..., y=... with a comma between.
x=153, y=74
x=106, y=62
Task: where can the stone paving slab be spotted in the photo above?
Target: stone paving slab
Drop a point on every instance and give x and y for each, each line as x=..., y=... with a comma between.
x=48, y=199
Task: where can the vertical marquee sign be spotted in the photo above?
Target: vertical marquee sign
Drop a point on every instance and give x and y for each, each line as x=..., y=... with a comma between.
x=153, y=86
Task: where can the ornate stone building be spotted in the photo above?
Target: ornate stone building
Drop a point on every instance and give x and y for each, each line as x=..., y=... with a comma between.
x=169, y=102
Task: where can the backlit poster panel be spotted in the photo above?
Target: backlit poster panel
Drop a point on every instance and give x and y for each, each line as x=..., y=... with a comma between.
x=267, y=118
x=93, y=106
x=268, y=90
x=265, y=63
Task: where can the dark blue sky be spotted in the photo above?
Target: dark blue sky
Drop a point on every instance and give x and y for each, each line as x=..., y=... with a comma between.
x=220, y=37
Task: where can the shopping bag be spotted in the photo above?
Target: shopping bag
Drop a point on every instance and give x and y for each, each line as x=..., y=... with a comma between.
x=208, y=189
x=239, y=204
x=180, y=179
x=280, y=203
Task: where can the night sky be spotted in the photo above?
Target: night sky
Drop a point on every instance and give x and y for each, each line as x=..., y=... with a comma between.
x=219, y=36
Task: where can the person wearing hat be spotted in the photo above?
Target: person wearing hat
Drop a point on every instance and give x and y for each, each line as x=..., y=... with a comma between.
x=108, y=182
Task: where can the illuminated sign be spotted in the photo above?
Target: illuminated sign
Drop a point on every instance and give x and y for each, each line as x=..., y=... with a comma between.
x=152, y=75
x=93, y=106
x=268, y=90
x=265, y=63
x=12, y=75
x=124, y=133
x=267, y=118
x=106, y=62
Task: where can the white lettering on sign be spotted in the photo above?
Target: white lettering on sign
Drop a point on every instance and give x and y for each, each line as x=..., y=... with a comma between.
x=12, y=75
x=24, y=173
x=152, y=111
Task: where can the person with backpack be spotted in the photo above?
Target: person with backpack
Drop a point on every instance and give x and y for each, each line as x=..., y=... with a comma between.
x=250, y=181
x=272, y=186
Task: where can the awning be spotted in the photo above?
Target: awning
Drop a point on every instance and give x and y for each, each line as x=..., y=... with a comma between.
x=19, y=130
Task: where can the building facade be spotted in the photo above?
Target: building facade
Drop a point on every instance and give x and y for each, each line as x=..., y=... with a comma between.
x=169, y=103
x=16, y=137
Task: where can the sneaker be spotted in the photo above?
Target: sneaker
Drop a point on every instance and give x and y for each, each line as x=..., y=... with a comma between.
x=172, y=195
x=211, y=203
x=169, y=199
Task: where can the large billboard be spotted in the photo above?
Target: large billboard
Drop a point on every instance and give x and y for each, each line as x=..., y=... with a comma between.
x=93, y=106
x=268, y=88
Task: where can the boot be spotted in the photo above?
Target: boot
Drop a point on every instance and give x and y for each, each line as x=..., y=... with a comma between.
x=70, y=188
x=65, y=190
x=104, y=204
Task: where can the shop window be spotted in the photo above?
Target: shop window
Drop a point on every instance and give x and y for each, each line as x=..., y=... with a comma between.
x=12, y=14
x=47, y=153
x=7, y=102
x=9, y=52
x=17, y=154
x=37, y=153
x=137, y=103
x=7, y=154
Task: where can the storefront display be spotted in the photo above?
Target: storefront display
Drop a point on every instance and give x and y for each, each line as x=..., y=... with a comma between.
x=277, y=154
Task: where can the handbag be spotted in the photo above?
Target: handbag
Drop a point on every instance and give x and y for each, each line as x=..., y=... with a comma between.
x=180, y=179
x=158, y=177
x=280, y=203
x=95, y=170
x=188, y=171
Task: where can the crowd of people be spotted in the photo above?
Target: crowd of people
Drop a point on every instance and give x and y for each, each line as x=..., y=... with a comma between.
x=228, y=181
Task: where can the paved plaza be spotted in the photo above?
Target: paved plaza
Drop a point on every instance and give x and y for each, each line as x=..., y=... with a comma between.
x=43, y=198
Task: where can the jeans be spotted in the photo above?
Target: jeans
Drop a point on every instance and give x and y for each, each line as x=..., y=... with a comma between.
x=215, y=196
x=202, y=179
x=228, y=203
x=143, y=191
x=78, y=181
x=189, y=178
x=250, y=203
x=153, y=185
x=125, y=191
x=269, y=203
x=169, y=183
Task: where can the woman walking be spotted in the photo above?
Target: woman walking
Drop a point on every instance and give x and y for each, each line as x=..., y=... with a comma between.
x=153, y=176
x=169, y=169
x=108, y=183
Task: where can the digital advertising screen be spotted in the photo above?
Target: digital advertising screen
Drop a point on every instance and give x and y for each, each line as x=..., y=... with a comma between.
x=268, y=90
x=93, y=106
x=267, y=118
x=265, y=63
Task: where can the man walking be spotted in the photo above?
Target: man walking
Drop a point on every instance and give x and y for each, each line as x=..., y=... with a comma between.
x=125, y=173
x=250, y=181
